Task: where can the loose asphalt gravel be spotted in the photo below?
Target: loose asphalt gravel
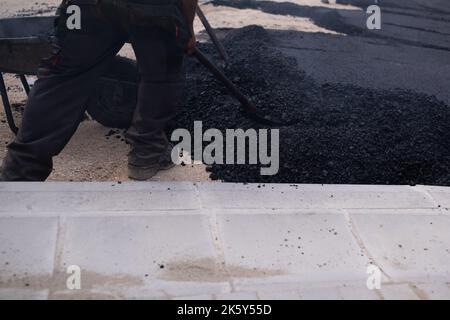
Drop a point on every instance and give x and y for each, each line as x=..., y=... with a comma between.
x=345, y=134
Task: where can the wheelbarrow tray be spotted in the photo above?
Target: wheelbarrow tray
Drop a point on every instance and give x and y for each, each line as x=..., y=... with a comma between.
x=24, y=42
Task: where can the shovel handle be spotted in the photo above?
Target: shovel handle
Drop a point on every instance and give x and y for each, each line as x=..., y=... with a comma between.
x=245, y=102
x=212, y=34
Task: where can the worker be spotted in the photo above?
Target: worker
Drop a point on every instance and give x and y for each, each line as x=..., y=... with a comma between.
x=160, y=32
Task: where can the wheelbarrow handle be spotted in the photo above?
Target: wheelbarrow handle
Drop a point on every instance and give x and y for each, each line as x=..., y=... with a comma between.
x=7, y=105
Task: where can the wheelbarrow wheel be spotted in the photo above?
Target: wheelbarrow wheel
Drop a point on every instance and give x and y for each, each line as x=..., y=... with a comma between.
x=115, y=98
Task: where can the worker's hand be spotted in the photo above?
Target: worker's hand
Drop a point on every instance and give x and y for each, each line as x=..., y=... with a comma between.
x=189, y=11
x=192, y=45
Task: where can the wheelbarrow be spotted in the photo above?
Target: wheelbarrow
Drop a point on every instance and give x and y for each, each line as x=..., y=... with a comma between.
x=25, y=41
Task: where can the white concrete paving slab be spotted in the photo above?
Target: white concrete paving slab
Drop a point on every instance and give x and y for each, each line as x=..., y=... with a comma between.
x=229, y=196
x=404, y=212
x=320, y=294
x=203, y=297
x=137, y=254
x=352, y=290
x=441, y=196
x=398, y=292
x=280, y=283
x=175, y=289
x=271, y=294
x=358, y=293
x=434, y=291
x=313, y=247
x=237, y=296
x=222, y=241
x=96, y=197
x=27, y=250
x=416, y=246
x=137, y=246
x=23, y=294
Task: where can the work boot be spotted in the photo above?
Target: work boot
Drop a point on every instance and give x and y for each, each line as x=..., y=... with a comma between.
x=149, y=170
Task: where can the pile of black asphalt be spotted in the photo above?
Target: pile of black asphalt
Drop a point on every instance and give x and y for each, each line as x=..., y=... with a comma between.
x=344, y=134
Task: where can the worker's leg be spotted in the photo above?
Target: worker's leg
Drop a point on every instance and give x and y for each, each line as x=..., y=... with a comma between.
x=58, y=99
x=160, y=60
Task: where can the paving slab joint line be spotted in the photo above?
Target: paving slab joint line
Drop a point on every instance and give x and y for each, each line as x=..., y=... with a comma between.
x=57, y=256
x=355, y=233
x=421, y=294
x=423, y=191
x=215, y=235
